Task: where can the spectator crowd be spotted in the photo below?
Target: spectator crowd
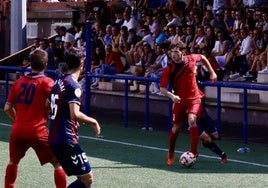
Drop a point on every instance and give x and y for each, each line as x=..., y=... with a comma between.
x=137, y=37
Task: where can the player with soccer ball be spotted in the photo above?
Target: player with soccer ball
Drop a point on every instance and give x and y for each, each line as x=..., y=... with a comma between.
x=187, y=97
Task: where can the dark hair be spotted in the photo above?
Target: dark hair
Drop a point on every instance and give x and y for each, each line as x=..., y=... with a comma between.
x=132, y=30
x=62, y=28
x=124, y=28
x=72, y=60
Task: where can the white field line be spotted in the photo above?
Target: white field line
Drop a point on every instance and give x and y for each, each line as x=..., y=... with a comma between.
x=159, y=149
x=162, y=149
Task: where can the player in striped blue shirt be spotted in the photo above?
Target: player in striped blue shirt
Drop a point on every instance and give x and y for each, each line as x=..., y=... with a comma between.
x=65, y=118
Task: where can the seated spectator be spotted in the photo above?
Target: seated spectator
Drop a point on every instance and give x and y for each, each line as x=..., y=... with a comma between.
x=133, y=55
x=107, y=38
x=131, y=22
x=26, y=66
x=97, y=60
x=220, y=20
x=198, y=41
x=115, y=38
x=172, y=36
x=259, y=46
x=238, y=64
x=155, y=70
x=190, y=35
x=264, y=61
x=68, y=47
x=181, y=32
x=44, y=45
x=119, y=19
x=78, y=35
x=265, y=21
x=36, y=42
x=228, y=21
x=208, y=18
x=147, y=58
x=159, y=36
x=190, y=18
x=58, y=53
x=171, y=19
x=112, y=65
x=149, y=21
x=97, y=34
x=159, y=18
x=123, y=45
x=66, y=36
x=222, y=46
x=249, y=20
x=147, y=37
x=260, y=62
x=238, y=21
x=132, y=40
x=210, y=37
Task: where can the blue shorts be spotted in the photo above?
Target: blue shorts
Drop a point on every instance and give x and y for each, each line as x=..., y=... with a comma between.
x=72, y=159
x=205, y=123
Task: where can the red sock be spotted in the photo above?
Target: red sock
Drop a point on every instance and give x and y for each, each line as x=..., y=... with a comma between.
x=60, y=178
x=172, y=141
x=11, y=175
x=194, y=139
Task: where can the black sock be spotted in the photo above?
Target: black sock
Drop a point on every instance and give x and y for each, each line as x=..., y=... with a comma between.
x=213, y=147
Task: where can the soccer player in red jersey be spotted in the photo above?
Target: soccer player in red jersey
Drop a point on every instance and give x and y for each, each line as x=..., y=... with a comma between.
x=181, y=72
x=26, y=106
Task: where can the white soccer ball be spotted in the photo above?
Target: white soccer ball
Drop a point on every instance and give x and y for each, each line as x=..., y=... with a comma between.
x=187, y=159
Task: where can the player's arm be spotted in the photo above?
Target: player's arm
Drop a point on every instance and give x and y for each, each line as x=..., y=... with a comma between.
x=10, y=110
x=164, y=80
x=213, y=75
x=79, y=116
x=174, y=98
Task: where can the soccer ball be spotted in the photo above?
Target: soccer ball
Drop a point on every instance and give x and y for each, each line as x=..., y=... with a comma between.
x=187, y=159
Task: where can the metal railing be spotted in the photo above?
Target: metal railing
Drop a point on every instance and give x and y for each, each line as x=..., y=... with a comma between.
x=245, y=87
x=218, y=85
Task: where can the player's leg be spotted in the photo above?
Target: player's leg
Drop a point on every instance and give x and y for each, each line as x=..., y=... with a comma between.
x=208, y=133
x=59, y=176
x=83, y=181
x=194, y=109
x=210, y=144
x=178, y=116
x=215, y=148
x=11, y=175
x=194, y=134
x=45, y=155
x=17, y=150
x=173, y=135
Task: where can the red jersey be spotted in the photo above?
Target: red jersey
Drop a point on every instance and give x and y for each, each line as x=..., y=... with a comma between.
x=183, y=78
x=28, y=95
x=114, y=57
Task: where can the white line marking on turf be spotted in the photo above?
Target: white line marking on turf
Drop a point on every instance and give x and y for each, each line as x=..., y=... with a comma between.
x=162, y=149
x=159, y=149
x=4, y=124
